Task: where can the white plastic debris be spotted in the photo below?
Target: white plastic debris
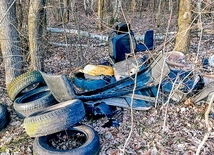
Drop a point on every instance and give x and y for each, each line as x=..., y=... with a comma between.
x=211, y=61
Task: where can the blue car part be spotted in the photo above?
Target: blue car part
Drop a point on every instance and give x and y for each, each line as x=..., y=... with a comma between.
x=150, y=92
x=185, y=79
x=148, y=42
x=62, y=87
x=88, y=84
x=121, y=46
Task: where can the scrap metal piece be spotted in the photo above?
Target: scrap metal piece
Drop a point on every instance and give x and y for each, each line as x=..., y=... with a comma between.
x=128, y=67
x=159, y=69
x=202, y=96
x=211, y=61
x=124, y=103
x=60, y=86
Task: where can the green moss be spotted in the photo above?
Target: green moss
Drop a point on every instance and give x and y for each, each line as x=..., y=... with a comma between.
x=3, y=149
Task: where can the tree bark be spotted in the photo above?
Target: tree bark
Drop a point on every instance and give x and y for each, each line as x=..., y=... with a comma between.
x=116, y=9
x=19, y=8
x=9, y=39
x=36, y=26
x=100, y=14
x=184, y=20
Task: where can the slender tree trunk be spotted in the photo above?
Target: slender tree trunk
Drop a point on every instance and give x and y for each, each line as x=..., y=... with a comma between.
x=105, y=9
x=184, y=20
x=64, y=11
x=36, y=25
x=19, y=14
x=100, y=14
x=116, y=9
x=9, y=39
x=78, y=49
x=158, y=14
x=73, y=4
x=141, y=8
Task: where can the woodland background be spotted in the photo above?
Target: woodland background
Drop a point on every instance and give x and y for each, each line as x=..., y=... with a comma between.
x=29, y=42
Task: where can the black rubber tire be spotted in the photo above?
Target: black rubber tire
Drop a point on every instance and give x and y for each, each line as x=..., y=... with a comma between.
x=54, y=118
x=23, y=81
x=90, y=147
x=33, y=101
x=4, y=117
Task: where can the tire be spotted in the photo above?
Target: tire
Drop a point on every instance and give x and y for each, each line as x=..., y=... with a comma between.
x=4, y=117
x=33, y=101
x=54, y=118
x=23, y=81
x=90, y=147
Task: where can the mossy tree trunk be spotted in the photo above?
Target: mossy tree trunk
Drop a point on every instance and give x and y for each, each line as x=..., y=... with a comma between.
x=9, y=39
x=36, y=29
x=184, y=20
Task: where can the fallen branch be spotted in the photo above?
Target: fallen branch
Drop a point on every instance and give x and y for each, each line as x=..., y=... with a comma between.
x=159, y=36
x=82, y=33
x=73, y=45
x=209, y=129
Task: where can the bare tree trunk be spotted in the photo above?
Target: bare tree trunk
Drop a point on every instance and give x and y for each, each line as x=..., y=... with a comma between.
x=152, y=9
x=19, y=14
x=88, y=6
x=184, y=20
x=36, y=25
x=64, y=11
x=100, y=14
x=133, y=6
x=9, y=39
x=141, y=8
x=77, y=49
x=158, y=14
x=106, y=6
x=73, y=4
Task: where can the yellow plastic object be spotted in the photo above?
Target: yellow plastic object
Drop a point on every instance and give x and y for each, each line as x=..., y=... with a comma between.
x=96, y=70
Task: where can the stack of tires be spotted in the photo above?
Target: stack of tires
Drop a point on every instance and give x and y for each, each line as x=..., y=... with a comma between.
x=45, y=118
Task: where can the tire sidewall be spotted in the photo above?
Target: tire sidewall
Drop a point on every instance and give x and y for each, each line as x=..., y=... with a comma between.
x=90, y=147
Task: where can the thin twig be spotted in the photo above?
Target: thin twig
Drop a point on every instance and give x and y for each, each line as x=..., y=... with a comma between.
x=209, y=129
x=162, y=68
x=134, y=88
x=7, y=11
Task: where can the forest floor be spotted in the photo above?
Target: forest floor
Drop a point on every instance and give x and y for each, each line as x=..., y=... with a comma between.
x=168, y=129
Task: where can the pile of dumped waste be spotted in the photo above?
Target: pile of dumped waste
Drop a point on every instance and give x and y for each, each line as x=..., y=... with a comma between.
x=131, y=78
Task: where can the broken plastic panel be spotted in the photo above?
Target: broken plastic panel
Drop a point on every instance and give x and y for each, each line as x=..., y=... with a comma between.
x=129, y=67
x=148, y=42
x=181, y=83
x=208, y=63
x=211, y=61
x=121, y=46
x=203, y=94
